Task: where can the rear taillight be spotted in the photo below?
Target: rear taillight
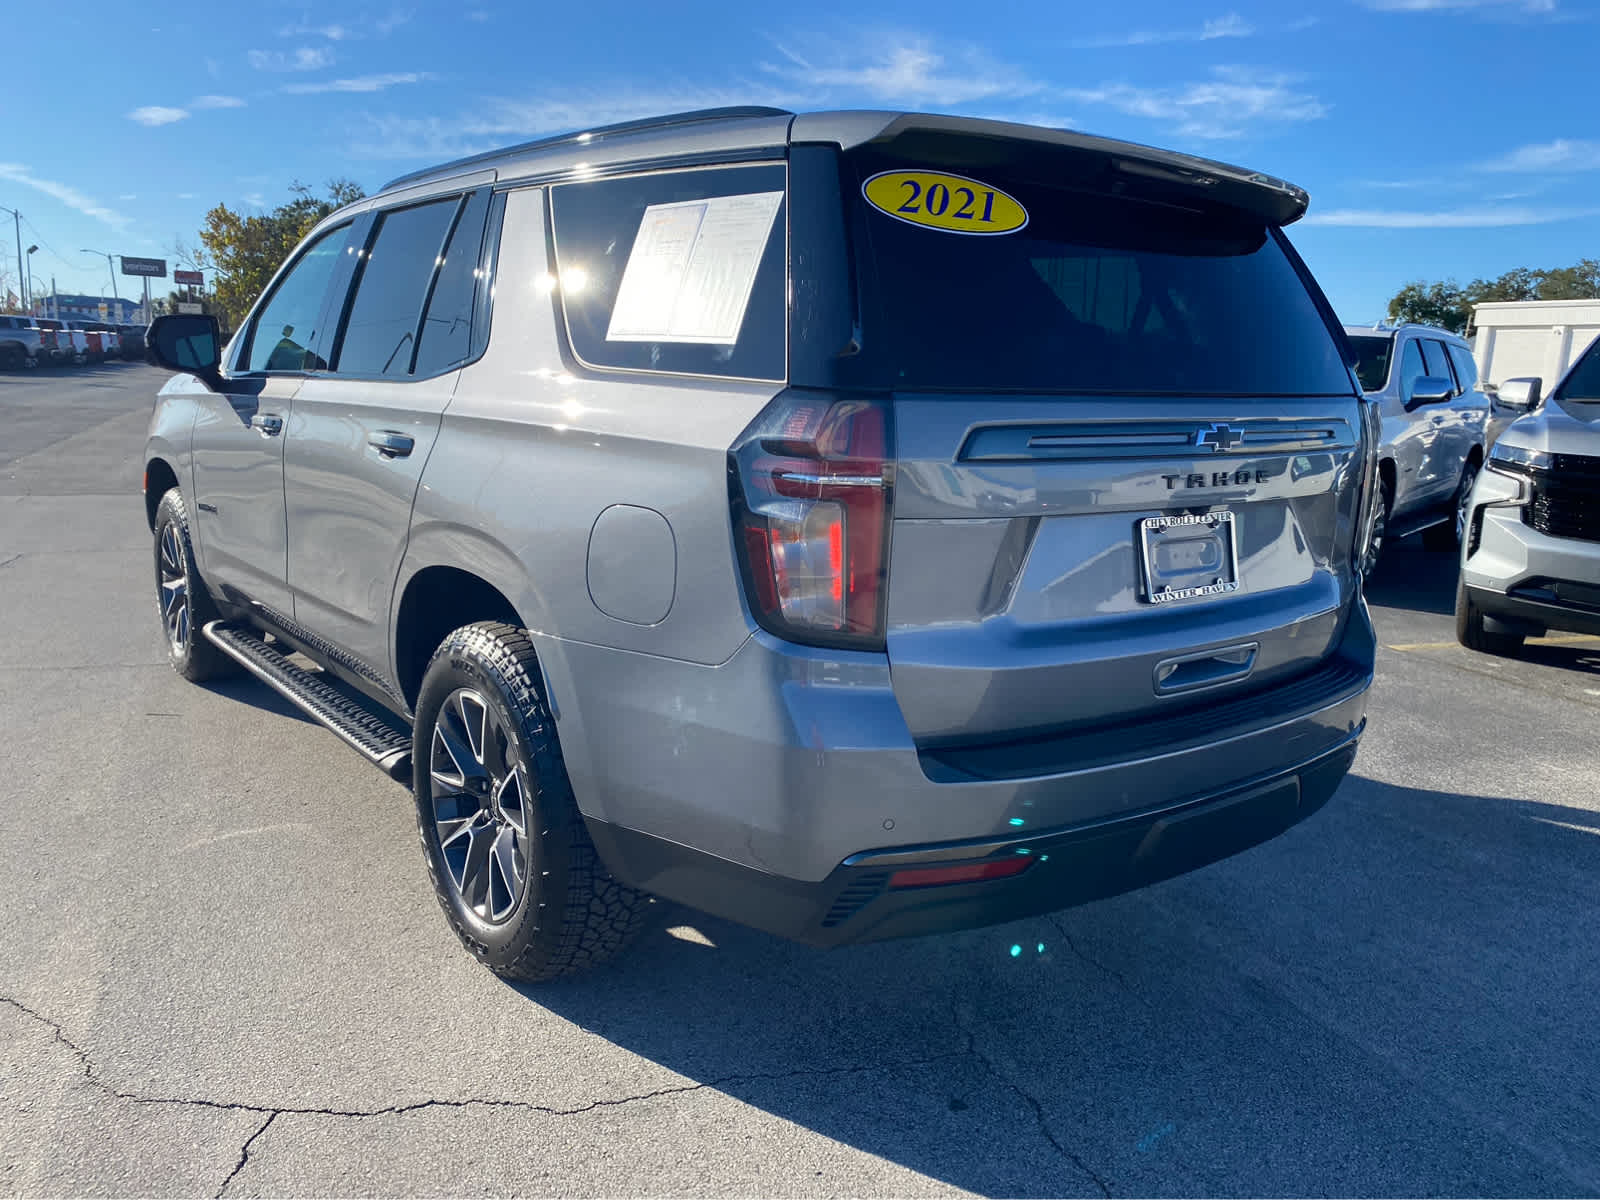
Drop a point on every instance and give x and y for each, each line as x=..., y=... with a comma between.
x=811, y=481
x=1367, y=497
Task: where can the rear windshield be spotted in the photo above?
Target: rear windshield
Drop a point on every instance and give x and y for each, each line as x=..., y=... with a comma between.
x=1095, y=293
x=1373, y=351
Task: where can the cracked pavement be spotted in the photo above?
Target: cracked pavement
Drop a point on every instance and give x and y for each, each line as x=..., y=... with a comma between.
x=224, y=972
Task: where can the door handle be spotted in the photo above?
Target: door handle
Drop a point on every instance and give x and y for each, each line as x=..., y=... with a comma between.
x=267, y=424
x=390, y=444
x=1207, y=669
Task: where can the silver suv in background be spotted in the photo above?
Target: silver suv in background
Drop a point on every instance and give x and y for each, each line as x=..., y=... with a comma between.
x=1531, y=562
x=21, y=343
x=850, y=524
x=1435, y=418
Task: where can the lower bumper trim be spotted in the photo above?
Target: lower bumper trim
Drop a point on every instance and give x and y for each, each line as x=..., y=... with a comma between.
x=1073, y=866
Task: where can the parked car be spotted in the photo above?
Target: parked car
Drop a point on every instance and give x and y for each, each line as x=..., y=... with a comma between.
x=1531, y=562
x=1435, y=420
x=58, y=339
x=21, y=343
x=764, y=540
x=131, y=342
x=77, y=339
x=110, y=341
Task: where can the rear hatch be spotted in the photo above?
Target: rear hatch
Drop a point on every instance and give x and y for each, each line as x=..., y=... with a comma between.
x=1127, y=442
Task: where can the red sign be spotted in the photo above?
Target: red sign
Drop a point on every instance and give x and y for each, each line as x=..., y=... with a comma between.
x=194, y=278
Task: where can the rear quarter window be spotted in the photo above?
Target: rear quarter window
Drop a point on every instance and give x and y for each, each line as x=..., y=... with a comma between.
x=702, y=255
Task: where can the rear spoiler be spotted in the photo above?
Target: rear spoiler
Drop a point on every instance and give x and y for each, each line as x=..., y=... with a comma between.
x=975, y=143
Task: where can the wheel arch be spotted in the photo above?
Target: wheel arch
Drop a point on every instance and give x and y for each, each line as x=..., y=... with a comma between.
x=437, y=596
x=159, y=478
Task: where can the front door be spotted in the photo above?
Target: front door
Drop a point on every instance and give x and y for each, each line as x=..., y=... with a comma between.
x=362, y=430
x=240, y=433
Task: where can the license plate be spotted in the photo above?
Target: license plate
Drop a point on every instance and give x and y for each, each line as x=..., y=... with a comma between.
x=1187, y=557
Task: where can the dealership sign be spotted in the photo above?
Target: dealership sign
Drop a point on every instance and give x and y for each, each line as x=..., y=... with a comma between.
x=151, y=268
x=188, y=278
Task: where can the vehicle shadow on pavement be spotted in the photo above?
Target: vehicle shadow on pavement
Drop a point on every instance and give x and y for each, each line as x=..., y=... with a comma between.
x=1395, y=997
x=1411, y=577
x=247, y=689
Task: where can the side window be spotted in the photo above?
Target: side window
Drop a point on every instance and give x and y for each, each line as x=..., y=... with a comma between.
x=1411, y=368
x=447, y=327
x=390, y=288
x=284, y=336
x=680, y=271
x=1438, y=361
x=1584, y=382
x=1466, y=368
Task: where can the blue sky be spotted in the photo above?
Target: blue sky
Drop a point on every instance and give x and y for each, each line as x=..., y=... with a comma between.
x=1437, y=138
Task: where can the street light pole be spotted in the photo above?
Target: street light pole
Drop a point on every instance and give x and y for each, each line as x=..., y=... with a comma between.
x=16, y=220
x=113, y=271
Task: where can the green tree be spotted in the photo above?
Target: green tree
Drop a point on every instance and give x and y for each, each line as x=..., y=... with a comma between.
x=242, y=252
x=1442, y=304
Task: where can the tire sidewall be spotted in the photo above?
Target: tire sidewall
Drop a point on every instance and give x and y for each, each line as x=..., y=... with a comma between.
x=457, y=666
x=171, y=512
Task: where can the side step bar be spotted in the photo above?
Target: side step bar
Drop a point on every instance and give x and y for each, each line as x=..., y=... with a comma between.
x=371, y=736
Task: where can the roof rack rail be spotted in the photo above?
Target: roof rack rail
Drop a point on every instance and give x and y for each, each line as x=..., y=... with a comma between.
x=729, y=113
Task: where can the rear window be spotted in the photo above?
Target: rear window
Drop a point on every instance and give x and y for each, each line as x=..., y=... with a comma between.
x=1095, y=293
x=1373, y=352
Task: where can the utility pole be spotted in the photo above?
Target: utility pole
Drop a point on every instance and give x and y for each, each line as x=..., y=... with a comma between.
x=111, y=267
x=16, y=221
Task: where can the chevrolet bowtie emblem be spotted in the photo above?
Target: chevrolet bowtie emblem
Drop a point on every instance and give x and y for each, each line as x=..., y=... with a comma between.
x=1218, y=437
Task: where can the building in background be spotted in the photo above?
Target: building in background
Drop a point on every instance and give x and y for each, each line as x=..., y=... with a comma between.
x=1522, y=338
x=68, y=307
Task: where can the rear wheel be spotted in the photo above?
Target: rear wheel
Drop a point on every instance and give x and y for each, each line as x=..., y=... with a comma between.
x=1380, y=530
x=1470, y=631
x=182, y=601
x=507, y=850
x=1448, y=535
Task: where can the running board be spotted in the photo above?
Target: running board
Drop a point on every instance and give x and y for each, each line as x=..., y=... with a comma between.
x=369, y=735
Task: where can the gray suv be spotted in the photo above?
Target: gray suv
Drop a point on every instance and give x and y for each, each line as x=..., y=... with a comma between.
x=1531, y=562
x=1435, y=417
x=849, y=524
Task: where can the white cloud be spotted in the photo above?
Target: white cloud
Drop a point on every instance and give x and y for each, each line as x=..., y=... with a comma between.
x=1563, y=154
x=216, y=102
x=255, y=199
x=396, y=17
x=69, y=196
x=1230, y=26
x=477, y=14
x=185, y=195
x=1220, y=107
x=128, y=196
x=362, y=83
x=906, y=70
x=1527, y=6
x=334, y=33
x=157, y=114
x=1485, y=217
x=303, y=58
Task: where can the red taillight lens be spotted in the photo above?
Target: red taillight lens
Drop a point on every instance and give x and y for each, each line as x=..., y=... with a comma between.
x=811, y=483
x=994, y=868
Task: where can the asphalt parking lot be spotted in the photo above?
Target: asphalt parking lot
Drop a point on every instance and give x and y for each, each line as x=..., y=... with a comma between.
x=223, y=970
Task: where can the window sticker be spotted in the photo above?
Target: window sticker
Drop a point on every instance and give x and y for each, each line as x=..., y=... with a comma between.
x=692, y=268
x=950, y=203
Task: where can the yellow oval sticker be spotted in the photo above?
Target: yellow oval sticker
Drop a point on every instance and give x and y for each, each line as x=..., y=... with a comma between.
x=952, y=203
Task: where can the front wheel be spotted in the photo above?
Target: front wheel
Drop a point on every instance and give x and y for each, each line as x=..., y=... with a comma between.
x=1449, y=535
x=182, y=601
x=507, y=850
x=1470, y=631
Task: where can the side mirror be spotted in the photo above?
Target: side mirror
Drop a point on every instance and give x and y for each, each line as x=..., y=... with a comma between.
x=1430, y=389
x=187, y=342
x=1519, y=395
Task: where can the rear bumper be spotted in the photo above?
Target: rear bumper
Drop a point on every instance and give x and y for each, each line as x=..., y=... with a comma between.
x=775, y=771
x=860, y=902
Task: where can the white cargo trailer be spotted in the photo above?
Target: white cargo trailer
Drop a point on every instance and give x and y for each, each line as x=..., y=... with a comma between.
x=1523, y=338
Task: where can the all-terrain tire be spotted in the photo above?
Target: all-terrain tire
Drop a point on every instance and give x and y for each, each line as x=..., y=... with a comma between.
x=571, y=914
x=192, y=656
x=1470, y=631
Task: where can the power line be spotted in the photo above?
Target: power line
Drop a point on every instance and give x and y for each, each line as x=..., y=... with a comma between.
x=58, y=257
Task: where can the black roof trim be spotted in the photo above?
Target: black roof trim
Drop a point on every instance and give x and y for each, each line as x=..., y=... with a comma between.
x=730, y=113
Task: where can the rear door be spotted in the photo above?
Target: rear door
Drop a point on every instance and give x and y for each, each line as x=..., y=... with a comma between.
x=362, y=430
x=239, y=432
x=1447, y=445
x=1127, y=449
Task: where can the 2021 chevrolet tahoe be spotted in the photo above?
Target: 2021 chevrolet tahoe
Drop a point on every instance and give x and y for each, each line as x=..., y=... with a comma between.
x=851, y=524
